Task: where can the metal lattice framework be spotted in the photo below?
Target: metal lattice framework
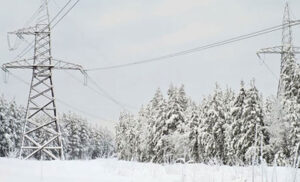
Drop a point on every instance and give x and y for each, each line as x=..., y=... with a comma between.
x=41, y=133
x=286, y=49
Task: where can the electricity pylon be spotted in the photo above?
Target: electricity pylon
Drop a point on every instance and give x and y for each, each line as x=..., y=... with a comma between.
x=286, y=49
x=41, y=133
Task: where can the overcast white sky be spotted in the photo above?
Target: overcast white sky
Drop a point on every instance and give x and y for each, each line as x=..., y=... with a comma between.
x=100, y=33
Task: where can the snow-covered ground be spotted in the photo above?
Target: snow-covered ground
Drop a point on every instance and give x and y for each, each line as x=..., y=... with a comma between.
x=112, y=170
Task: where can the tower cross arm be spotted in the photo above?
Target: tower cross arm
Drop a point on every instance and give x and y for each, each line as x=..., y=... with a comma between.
x=21, y=64
x=26, y=31
x=63, y=65
x=40, y=28
x=270, y=50
x=296, y=50
x=278, y=50
x=55, y=64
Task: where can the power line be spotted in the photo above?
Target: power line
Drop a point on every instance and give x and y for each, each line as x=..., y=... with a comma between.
x=198, y=49
x=61, y=101
x=80, y=110
x=270, y=70
x=100, y=91
x=66, y=13
x=30, y=46
x=17, y=40
x=107, y=95
x=26, y=50
x=61, y=10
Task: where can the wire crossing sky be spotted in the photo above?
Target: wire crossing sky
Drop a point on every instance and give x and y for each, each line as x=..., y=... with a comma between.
x=105, y=34
x=201, y=48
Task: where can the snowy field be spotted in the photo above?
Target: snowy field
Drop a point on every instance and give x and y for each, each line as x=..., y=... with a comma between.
x=112, y=170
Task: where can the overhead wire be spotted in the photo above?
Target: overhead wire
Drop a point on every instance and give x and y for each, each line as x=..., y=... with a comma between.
x=30, y=46
x=100, y=91
x=60, y=11
x=106, y=93
x=269, y=69
x=197, y=49
x=66, y=13
x=17, y=41
x=61, y=101
x=80, y=110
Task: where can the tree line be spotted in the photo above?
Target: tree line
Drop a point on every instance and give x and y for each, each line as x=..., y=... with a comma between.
x=225, y=127
x=81, y=140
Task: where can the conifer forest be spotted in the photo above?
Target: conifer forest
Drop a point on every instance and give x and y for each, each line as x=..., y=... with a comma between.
x=149, y=91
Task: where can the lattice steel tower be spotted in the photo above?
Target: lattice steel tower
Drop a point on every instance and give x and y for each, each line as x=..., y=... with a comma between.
x=41, y=133
x=286, y=49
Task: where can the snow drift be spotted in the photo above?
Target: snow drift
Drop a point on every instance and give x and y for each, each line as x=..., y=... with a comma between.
x=112, y=170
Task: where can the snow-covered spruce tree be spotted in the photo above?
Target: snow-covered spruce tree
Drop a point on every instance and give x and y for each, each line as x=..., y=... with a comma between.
x=153, y=116
x=201, y=130
x=291, y=109
x=11, y=124
x=176, y=124
x=228, y=101
x=4, y=143
x=84, y=141
x=193, y=120
x=283, y=116
x=233, y=133
x=291, y=135
x=212, y=131
x=275, y=127
x=96, y=149
x=289, y=100
x=159, y=131
x=252, y=128
x=142, y=135
x=107, y=142
x=71, y=136
x=125, y=136
x=290, y=79
x=101, y=142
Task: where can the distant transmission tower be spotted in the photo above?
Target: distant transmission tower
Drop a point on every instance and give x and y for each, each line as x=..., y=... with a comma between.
x=286, y=49
x=41, y=133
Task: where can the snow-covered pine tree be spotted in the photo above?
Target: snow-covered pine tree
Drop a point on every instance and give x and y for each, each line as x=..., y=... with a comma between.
x=11, y=124
x=4, y=144
x=212, y=131
x=107, y=142
x=85, y=133
x=101, y=142
x=202, y=132
x=289, y=99
x=234, y=132
x=155, y=117
x=274, y=125
x=159, y=131
x=96, y=148
x=193, y=120
x=71, y=136
x=291, y=137
x=228, y=100
x=141, y=131
x=176, y=124
x=252, y=123
x=125, y=136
